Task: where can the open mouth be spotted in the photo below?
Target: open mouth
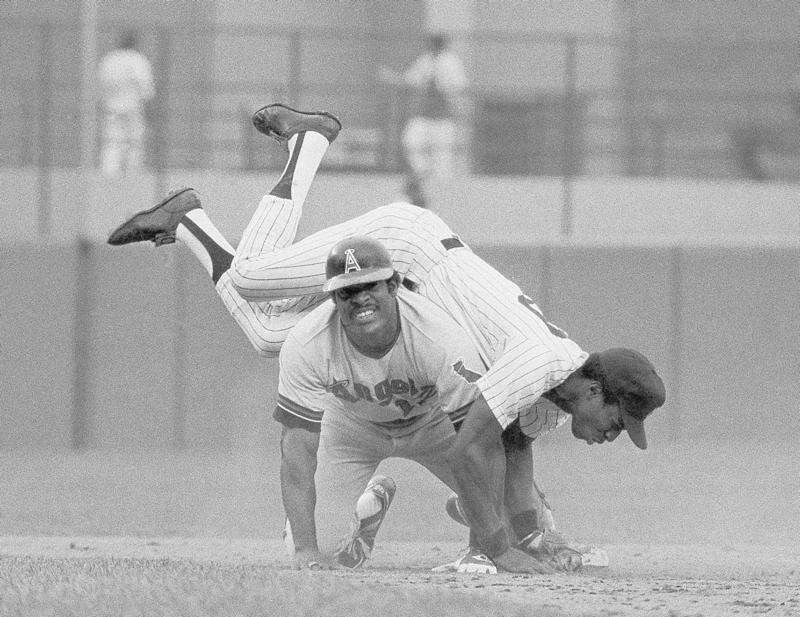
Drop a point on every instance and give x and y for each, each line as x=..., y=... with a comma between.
x=364, y=314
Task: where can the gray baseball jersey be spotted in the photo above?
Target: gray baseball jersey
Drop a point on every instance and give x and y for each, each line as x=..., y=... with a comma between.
x=431, y=367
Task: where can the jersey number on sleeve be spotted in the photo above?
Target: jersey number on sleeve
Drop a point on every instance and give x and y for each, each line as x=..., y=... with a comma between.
x=531, y=306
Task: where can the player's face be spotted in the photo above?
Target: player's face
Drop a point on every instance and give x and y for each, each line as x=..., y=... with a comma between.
x=596, y=423
x=368, y=313
x=593, y=420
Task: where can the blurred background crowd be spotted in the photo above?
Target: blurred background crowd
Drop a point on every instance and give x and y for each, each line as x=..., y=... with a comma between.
x=631, y=87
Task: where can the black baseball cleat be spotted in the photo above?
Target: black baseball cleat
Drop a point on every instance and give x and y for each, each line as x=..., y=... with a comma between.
x=281, y=122
x=159, y=222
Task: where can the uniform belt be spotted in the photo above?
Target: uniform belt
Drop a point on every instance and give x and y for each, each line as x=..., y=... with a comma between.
x=399, y=423
x=452, y=243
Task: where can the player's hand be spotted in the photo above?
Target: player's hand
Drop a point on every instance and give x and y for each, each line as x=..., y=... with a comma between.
x=312, y=560
x=567, y=560
x=553, y=548
x=515, y=560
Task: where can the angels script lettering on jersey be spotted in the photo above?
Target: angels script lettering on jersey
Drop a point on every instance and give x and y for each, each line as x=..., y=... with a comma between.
x=386, y=392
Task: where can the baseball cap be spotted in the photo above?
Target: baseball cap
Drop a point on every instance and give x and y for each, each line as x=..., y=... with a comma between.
x=632, y=379
x=357, y=260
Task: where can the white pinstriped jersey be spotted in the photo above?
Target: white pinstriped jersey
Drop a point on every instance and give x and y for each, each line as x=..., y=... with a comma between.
x=433, y=366
x=527, y=356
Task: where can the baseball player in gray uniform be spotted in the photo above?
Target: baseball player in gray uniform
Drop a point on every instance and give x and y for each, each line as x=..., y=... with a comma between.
x=383, y=363
x=538, y=377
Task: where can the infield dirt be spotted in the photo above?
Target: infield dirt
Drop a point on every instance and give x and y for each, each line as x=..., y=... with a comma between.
x=705, y=530
x=674, y=581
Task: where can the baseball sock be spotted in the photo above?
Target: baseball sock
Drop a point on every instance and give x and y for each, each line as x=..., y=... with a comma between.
x=305, y=154
x=273, y=225
x=206, y=242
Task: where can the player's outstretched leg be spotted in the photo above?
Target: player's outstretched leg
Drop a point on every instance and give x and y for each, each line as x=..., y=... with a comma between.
x=159, y=223
x=265, y=266
x=180, y=216
x=371, y=509
x=306, y=136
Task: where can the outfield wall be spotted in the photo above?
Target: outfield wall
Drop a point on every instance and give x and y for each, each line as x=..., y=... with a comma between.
x=58, y=204
x=130, y=347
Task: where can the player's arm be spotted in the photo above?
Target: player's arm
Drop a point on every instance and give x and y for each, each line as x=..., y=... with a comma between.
x=299, y=443
x=480, y=467
x=298, y=413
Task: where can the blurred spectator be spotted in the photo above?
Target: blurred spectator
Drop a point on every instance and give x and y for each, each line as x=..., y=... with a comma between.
x=126, y=84
x=437, y=82
x=780, y=136
x=748, y=141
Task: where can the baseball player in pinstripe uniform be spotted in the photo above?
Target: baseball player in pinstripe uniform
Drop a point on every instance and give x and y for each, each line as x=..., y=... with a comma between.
x=538, y=377
x=267, y=325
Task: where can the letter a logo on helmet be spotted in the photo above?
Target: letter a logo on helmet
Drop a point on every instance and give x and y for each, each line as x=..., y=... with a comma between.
x=350, y=261
x=357, y=260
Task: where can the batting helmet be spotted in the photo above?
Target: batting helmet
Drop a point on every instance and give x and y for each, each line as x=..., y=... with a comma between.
x=356, y=260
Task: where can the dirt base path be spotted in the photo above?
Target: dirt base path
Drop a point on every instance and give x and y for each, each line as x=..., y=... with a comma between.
x=676, y=581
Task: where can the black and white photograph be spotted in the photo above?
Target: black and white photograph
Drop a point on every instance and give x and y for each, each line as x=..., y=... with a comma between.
x=399, y=308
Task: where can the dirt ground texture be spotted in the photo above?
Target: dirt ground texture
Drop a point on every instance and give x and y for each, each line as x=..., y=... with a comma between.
x=675, y=581
x=691, y=530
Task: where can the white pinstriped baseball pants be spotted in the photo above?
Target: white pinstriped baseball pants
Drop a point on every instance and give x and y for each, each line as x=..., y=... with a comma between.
x=267, y=321
x=273, y=281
